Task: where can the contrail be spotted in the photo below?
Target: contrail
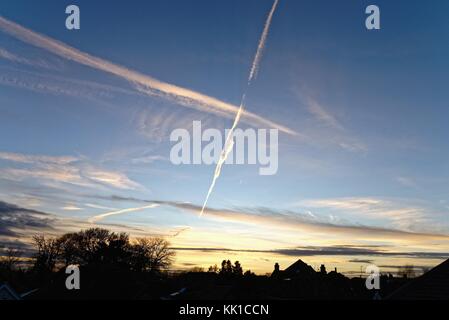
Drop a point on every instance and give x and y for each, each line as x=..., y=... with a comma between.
x=229, y=145
x=113, y=213
x=263, y=40
x=143, y=83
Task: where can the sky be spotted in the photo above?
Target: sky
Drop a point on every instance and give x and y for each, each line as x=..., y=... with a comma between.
x=363, y=175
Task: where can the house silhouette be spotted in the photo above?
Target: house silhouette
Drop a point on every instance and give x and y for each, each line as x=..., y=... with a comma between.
x=297, y=269
x=7, y=293
x=433, y=285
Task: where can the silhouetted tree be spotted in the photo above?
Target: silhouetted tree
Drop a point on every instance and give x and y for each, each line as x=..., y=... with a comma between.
x=101, y=247
x=10, y=259
x=226, y=268
x=237, y=269
x=407, y=271
x=223, y=267
x=117, y=250
x=214, y=269
x=151, y=254
x=249, y=273
x=424, y=270
x=48, y=250
x=197, y=270
x=95, y=246
x=70, y=251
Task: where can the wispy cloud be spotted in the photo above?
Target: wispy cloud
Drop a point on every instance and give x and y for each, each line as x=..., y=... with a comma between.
x=148, y=159
x=62, y=86
x=97, y=206
x=144, y=83
x=299, y=222
x=109, y=178
x=365, y=261
x=346, y=241
x=337, y=250
x=178, y=231
x=26, y=158
x=406, y=182
x=71, y=207
x=326, y=127
x=157, y=125
x=403, y=215
x=324, y=116
x=14, y=219
x=5, y=54
x=65, y=169
x=18, y=225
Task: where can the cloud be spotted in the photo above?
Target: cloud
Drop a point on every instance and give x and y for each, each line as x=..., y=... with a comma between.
x=14, y=219
x=10, y=56
x=58, y=86
x=5, y=54
x=109, y=178
x=345, y=203
x=401, y=215
x=96, y=206
x=407, y=182
x=301, y=222
x=148, y=159
x=65, y=169
x=298, y=222
x=178, y=231
x=320, y=113
x=18, y=225
x=53, y=173
x=416, y=269
x=71, y=207
x=157, y=126
x=366, y=261
x=326, y=128
x=352, y=146
x=23, y=158
x=143, y=83
x=317, y=109
x=342, y=250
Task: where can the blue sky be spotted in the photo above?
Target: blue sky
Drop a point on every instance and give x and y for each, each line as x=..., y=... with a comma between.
x=370, y=108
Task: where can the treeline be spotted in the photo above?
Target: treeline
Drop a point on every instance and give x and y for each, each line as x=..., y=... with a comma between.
x=228, y=269
x=101, y=247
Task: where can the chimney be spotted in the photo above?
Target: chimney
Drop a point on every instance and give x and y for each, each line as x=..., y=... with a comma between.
x=323, y=269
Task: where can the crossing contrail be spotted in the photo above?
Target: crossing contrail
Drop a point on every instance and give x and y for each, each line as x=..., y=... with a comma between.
x=117, y=212
x=143, y=83
x=263, y=40
x=229, y=145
